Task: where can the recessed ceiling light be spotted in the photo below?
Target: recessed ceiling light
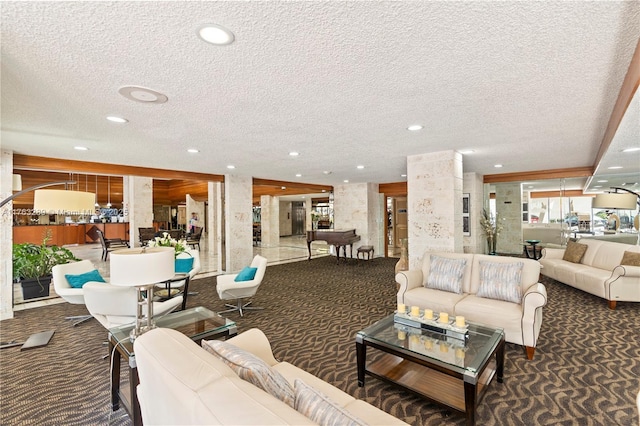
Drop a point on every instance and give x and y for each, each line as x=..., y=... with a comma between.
x=603, y=181
x=294, y=154
x=298, y=175
x=231, y=166
x=360, y=167
x=415, y=127
x=497, y=166
x=116, y=119
x=81, y=148
x=466, y=151
x=530, y=186
x=215, y=34
x=142, y=94
x=283, y=187
x=614, y=167
x=346, y=181
x=597, y=186
x=324, y=190
x=327, y=172
x=631, y=149
x=403, y=175
x=193, y=151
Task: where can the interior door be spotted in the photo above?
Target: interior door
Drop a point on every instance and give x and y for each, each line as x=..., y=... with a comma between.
x=400, y=220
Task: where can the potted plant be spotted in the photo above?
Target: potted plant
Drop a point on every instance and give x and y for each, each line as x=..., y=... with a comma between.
x=32, y=266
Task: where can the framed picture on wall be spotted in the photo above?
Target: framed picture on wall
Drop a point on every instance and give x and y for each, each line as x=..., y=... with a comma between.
x=466, y=209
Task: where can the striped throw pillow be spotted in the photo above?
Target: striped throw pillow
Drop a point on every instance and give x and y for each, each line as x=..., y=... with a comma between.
x=319, y=408
x=501, y=281
x=446, y=274
x=252, y=369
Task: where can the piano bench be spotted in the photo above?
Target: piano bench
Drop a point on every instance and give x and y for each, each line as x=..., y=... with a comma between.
x=365, y=249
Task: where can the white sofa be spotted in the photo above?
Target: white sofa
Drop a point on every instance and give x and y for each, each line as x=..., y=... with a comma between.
x=599, y=271
x=521, y=321
x=181, y=383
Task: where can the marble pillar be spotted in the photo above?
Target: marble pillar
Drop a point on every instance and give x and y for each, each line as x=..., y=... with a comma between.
x=6, y=236
x=509, y=214
x=434, y=204
x=214, y=220
x=308, y=208
x=138, y=202
x=358, y=206
x=238, y=223
x=473, y=185
x=269, y=221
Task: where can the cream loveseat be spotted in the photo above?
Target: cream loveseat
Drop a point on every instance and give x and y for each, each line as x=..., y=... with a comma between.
x=598, y=271
x=182, y=383
x=520, y=318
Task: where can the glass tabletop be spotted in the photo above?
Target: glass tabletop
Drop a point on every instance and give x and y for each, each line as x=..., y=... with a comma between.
x=465, y=355
x=196, y=323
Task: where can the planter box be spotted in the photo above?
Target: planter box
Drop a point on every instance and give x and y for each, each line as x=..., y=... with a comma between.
x=32, y=289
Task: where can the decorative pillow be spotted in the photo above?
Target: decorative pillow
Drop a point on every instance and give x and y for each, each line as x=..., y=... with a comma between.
x=320, y=409
x=574, y=252
x=630, y=258
x=184, y=265
x=247, y=274
x=446, y=274
x=501, y=281
x=252, y=369
x=77, y=281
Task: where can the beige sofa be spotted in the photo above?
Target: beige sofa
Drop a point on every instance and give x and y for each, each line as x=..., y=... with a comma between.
x=599, y=271
x=521, y=321
x=181, y=383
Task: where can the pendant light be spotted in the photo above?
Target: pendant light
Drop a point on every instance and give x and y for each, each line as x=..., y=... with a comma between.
x=96, y=204
x=108, y=192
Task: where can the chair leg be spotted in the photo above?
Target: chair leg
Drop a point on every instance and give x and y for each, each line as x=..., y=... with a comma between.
x=80, y=319
x=240, y=307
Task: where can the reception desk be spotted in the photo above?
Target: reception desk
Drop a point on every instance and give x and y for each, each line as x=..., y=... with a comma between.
x=69, y=233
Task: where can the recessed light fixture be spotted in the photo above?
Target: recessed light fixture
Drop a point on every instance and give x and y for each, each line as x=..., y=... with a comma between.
x=415, y=127
x=216, y=34
x=497, y=166
x=614, y=167
x=403, y=175
x=530, y=186
x=597, y=186
x=231, y=166
x=603, y=181
x=294, y=154
x=466, y=151
x=193, y=151
x=327, y=172
x=324, y=190
x=631, y=149
x=360, y=167
x=81, y=148
x=116, y=119
x=346, y=181
x=142, y=94
x=283, y=187
x=298, y=175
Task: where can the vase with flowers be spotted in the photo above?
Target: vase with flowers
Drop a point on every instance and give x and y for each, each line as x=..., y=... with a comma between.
x=492, y=228
x=180, y=246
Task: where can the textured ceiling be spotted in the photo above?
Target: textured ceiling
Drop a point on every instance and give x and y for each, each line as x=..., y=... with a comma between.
x=530, y=85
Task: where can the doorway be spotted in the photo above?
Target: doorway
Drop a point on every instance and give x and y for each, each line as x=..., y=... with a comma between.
x=299, y=214
x=396, y=224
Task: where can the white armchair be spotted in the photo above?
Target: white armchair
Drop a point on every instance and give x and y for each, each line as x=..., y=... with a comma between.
x=72, y=295
x=181, y=286
x=229, y=289
x=115, y=305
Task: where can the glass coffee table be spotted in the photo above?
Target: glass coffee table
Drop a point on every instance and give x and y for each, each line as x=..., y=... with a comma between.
x=450, y=370
x=197, y=323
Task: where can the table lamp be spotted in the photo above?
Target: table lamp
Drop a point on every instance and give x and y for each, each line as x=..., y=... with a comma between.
x=142, y=268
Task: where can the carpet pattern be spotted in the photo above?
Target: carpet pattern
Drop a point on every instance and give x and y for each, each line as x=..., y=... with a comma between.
x=586, y=369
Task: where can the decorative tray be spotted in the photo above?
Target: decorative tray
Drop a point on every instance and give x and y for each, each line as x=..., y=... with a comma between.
x=449, y=328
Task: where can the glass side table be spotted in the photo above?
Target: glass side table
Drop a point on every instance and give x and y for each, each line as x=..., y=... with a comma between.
x=196, y=323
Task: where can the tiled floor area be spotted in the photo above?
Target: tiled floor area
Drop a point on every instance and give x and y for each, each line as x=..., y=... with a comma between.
x=290, y=249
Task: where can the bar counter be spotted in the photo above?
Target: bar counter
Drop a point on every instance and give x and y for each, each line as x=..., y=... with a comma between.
x=70, y=233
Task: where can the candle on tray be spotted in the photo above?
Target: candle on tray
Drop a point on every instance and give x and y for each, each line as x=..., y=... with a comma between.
x=402, y=309
x=444, y=348
x=415, y=311
x=444, y=317
x=428, y=344
x=459, y=353
x=460, y=321
x=402, y=335
x=428, y=314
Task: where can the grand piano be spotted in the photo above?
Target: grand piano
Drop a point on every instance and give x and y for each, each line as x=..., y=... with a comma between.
x=336, y=238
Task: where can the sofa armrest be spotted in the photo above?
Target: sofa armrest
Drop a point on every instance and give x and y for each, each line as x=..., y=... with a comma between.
x=532, y=302
x=407, y=280
x=552, y=253
x=624, y=271
x=256, y=342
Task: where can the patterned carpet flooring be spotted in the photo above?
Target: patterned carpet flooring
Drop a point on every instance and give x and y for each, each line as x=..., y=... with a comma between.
x=586, y=369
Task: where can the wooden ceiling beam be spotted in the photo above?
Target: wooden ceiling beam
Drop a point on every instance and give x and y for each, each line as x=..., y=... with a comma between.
x=575, y=172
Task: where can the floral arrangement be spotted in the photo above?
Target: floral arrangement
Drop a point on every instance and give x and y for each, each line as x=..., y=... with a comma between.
x=491, y=228
x=180, y=246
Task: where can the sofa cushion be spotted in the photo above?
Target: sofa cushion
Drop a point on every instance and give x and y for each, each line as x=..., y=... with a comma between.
x=501, y=281
x=574, y=252
x=446, y=274
x=630, y=258
x=319, y=408
x=252, y=369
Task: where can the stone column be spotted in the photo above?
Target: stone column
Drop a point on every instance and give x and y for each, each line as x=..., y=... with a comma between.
x=308, y=208
x=509, y=214
x=473, y=185
x=6, y=236
x=238, y=223
x=270, y=221
x=434, y=201
x=358, y=206
x=214, y=218
x=138, y=201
